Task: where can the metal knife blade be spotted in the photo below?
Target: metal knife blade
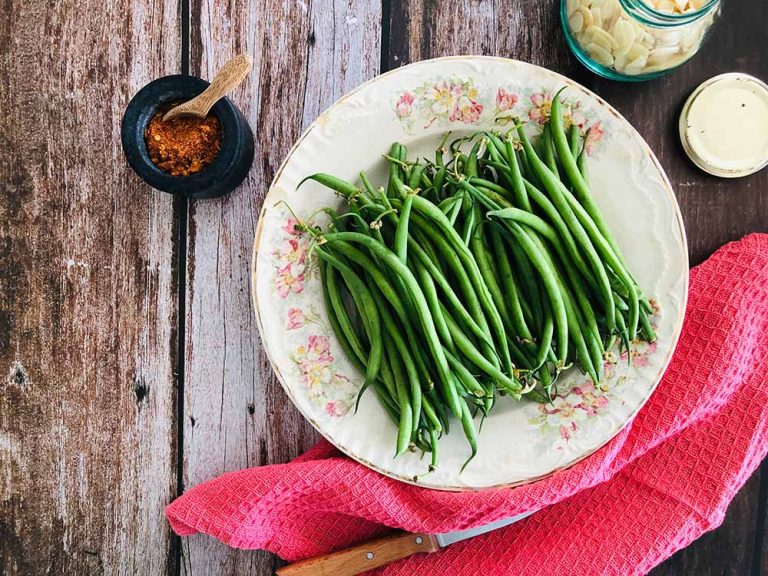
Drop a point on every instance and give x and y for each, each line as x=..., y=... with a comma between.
x=448, y=538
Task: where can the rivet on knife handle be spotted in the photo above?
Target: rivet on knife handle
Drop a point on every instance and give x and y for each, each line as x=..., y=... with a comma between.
x=366, y=556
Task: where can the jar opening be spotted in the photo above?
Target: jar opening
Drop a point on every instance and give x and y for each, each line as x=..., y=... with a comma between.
x=647, y=14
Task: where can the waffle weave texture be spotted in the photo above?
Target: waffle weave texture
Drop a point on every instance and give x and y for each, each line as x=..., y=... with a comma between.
x=667, y=478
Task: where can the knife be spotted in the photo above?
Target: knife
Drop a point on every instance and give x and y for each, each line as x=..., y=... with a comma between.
x=377, y=553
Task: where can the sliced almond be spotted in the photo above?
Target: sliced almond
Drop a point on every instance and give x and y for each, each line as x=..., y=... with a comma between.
x=638, y=52
x=586, y=13
x=597, y=16
x=624, y=34
x=661, y=56
x=603, y=38
x=633, y=70
x=640, y=62
x=620, y=62
x=576, y=22
x=599, y=54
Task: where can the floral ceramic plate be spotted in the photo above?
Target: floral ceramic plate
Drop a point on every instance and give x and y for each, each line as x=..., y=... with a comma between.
x=416, y=105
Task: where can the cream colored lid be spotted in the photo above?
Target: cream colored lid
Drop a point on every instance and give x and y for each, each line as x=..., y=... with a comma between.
x=724, y=125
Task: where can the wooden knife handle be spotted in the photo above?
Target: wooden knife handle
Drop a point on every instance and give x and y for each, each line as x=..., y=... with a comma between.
x=363, y=557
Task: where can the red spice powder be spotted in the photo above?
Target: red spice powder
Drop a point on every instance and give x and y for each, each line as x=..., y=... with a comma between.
x=183, y=145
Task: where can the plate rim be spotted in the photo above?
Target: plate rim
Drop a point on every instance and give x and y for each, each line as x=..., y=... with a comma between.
x=678, y=324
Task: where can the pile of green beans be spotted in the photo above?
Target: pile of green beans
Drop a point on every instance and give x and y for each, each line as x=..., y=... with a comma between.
x=485, y=272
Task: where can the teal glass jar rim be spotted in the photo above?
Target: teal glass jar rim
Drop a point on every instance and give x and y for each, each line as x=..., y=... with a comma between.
x=644, y=13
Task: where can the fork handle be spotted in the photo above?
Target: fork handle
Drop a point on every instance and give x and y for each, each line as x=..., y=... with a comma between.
x=363, y=557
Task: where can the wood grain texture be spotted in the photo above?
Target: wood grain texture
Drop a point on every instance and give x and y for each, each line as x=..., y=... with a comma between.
x=715, y=211
x=87, y=294
x=306, y=55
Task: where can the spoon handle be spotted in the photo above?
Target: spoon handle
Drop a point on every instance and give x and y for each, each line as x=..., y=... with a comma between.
x=227, y=78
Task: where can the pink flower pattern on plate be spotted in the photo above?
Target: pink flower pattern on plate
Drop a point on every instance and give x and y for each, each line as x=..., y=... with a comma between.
x=594, y=137
x=583, y=401
x=443, y=101
x=290, y=260
x=404, y=106
x=326, y=387
x=505, y=100
x=288, y=280
x=296, y=319
x=542, y=107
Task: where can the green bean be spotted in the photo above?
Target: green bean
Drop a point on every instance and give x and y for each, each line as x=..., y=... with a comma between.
x=433, y=449
x=573, y=140
x=367, y=263
x=414, y=179
x=405, y=421
x=548, y=150
x=480, y=252
x=337, y=312
x=557, y=221
x=429, y=413
x=387, y=379
x=393, y=335
x=612, y=259
x=558, y=193
x=581, y=162
x=469, y=431
x=454, y=215
x=366, y=308
x=547, y=335
x=530, y=284
x=422, y=308
x=517, y=317
x=448, y=204
x=470, y=222
x=441, y=281
x=394, y=169
x=367, y=184
x=401, y=233
x=465, y=376
x=571, y=169
x=549, y=279
x=526, y=218
x=516, y=175
x=650, y=334
x=624, y=335
x=341, y=186
x=434, y=214
x=441, y=410
x=430, y=293
x=483, y=183
x=437, y=183
x=471, y=167
x=389, y=406
x=472, y=354
x=451, y=259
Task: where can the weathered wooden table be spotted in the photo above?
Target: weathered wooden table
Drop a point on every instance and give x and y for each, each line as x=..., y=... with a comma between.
x=134, y=367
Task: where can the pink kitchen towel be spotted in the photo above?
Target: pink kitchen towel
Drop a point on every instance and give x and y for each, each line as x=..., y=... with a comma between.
x=666, y=479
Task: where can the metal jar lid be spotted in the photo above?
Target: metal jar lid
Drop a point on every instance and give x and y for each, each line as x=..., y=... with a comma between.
x=724, y=125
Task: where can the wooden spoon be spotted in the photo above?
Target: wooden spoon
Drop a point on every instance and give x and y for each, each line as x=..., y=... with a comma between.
x=228, y=77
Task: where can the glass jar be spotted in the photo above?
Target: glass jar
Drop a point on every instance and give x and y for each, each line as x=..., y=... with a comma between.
x=635, y=40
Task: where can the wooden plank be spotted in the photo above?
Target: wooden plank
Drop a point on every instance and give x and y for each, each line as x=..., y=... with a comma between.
x=87, y=294
x=306, y=54
x=715, y=211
